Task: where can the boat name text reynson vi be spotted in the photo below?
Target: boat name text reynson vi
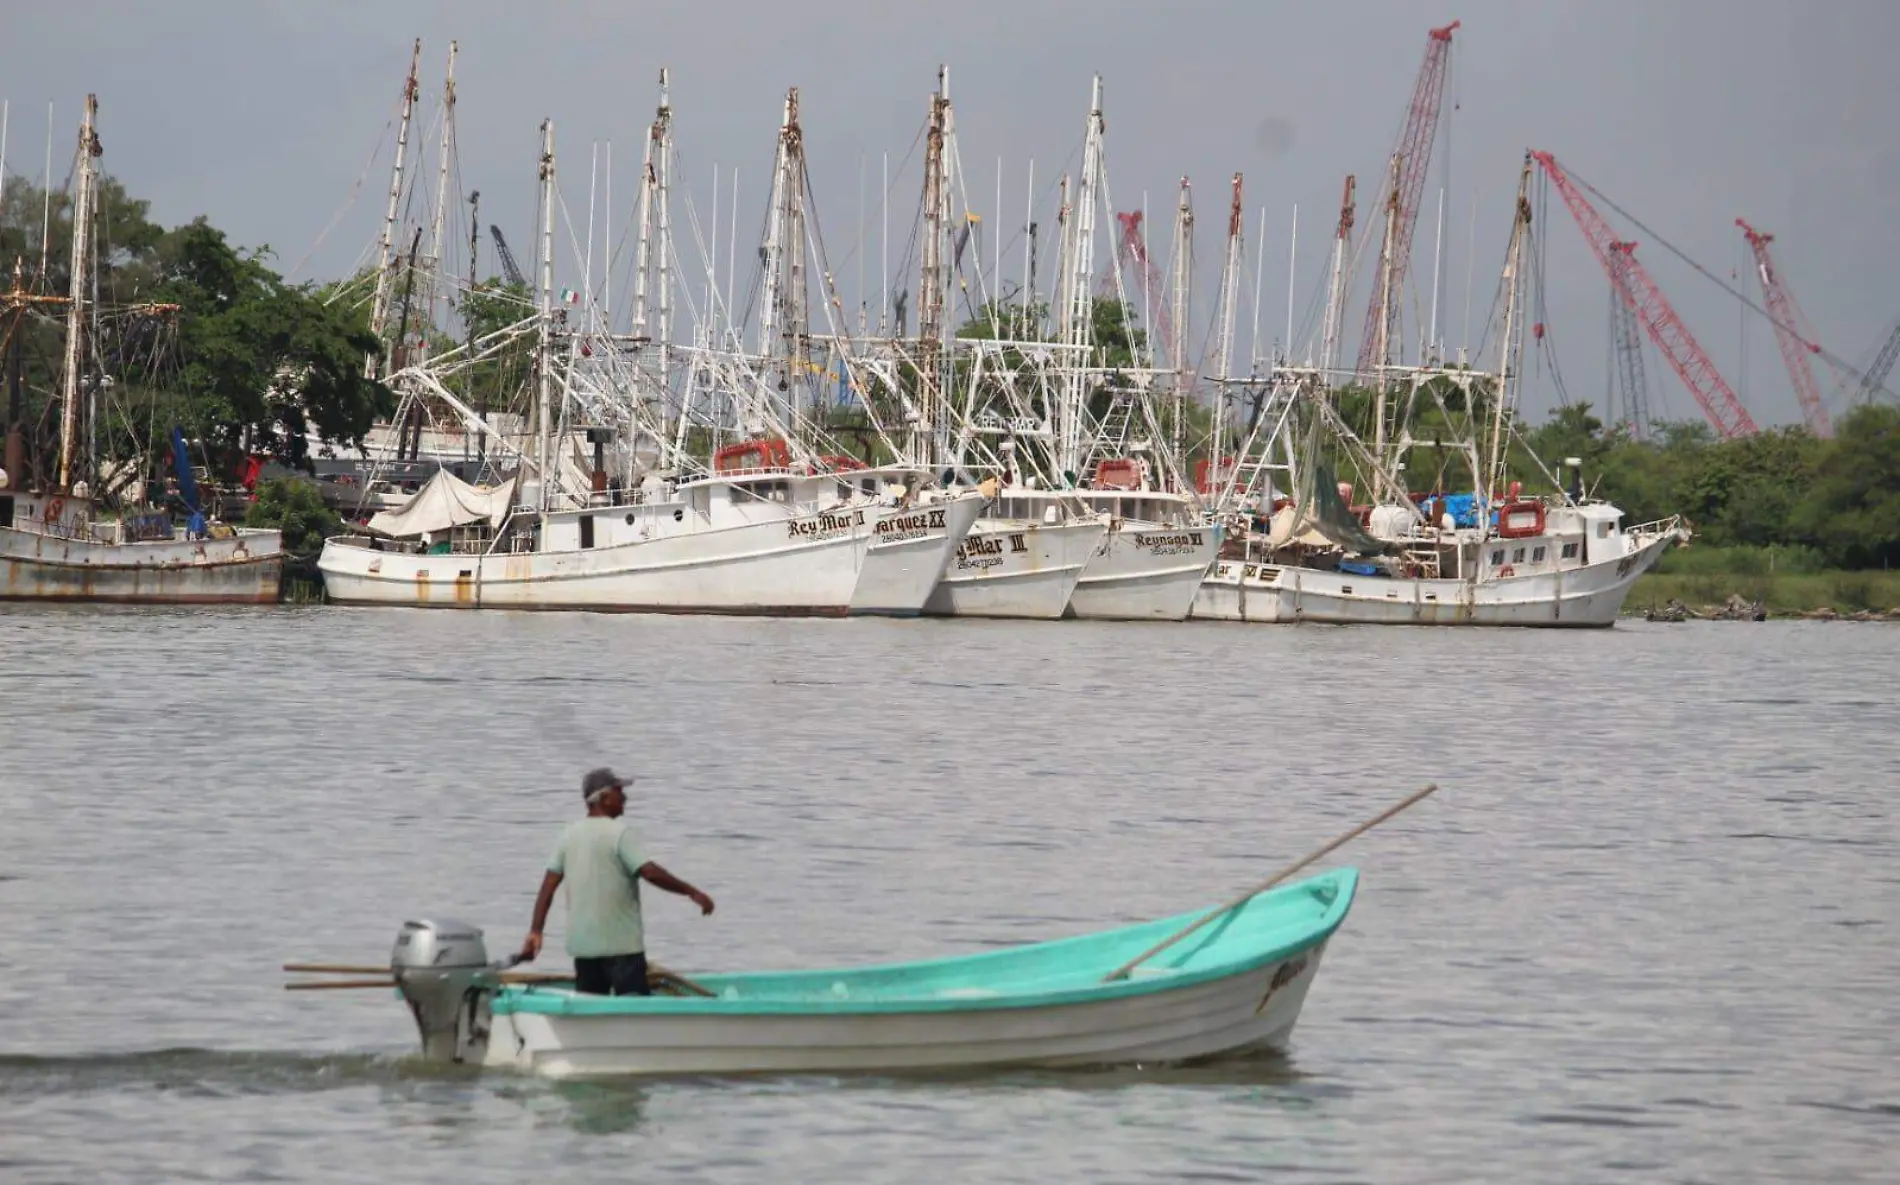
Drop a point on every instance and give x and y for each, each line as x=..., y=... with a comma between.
x=825, y=525
x=1181, y=544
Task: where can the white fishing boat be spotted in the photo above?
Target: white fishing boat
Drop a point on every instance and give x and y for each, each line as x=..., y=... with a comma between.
x=1231, y=987
x=1013, y=566
x=52, y=548
x=1575, y=572
x=1495, y=556
x=769, y=541
x=62, y=539
x=1159, y=546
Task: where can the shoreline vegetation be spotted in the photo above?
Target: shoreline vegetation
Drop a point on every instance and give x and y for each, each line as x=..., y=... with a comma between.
x=1727, y=582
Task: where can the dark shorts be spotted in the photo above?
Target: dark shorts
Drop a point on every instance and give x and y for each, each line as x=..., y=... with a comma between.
x=612, y=975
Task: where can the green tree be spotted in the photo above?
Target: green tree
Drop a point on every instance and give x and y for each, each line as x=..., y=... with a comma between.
x=264, y=364
x=297, y=509
x=1851, y=509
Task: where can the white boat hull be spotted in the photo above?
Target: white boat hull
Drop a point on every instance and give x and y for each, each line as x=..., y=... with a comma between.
x=759, y=568
x=1588, y=596
x=1145, y=573
x=908, y=554
x=245, y=568
x=1023, y=570
x=1232, y=1014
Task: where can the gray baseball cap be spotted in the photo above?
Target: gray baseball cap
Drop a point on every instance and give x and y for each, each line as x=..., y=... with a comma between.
x=601, y=779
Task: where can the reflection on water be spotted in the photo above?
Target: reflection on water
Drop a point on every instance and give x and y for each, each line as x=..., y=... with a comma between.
x=1646, y=926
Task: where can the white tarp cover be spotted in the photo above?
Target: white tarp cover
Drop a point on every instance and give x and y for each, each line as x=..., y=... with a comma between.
x=446, y=501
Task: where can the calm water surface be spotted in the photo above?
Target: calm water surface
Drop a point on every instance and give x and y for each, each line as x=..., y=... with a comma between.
x=1647, y=928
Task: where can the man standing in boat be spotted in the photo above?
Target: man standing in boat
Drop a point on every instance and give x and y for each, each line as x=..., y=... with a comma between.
x=601, y=860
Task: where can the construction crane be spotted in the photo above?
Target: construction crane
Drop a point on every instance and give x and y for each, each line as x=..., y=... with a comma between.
x=1150, y=293
x=1410, y=162
x=1876, y=376
x=509, y=267
x=1626, y=343
x=1685, y=355
x=1792, y=332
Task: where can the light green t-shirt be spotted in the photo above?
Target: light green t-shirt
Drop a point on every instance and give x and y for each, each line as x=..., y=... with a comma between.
x=599, y=859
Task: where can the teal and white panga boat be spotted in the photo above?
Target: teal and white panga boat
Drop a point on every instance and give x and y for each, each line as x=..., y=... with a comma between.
x=1234, y=983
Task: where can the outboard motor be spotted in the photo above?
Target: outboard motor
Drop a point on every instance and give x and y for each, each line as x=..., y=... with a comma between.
x=442, y=970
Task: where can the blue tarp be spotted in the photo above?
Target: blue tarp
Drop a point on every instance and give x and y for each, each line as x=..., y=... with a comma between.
x=181, y=460
x=1463, y=509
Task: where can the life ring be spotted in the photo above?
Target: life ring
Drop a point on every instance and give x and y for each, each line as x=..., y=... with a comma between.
x=1506, y=570
x=55, y=507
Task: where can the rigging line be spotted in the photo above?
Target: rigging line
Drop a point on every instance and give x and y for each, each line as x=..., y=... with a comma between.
x=1547, y=345
x=1820, y=350
x=348, y=201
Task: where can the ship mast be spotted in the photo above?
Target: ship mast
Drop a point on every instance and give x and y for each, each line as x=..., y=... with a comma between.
x=1181, y=286
x=930, y=290
x=1224, y=341
x=78, y=307
x=385, y=276
x=436, y=250
x=1336, y=288
x=544, y=380
x=653, y=254
x=1511, y=342
x=1382, y=339
x=1078, y=303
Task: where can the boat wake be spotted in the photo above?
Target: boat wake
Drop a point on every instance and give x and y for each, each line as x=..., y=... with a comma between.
x=213, y=1072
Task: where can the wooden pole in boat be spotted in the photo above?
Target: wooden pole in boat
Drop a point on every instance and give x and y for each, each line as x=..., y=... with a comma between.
x=1122, y=971
x=656, y=975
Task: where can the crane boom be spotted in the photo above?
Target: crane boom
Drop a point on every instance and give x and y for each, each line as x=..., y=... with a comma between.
x=1876, y=376
x=1413, y=159
x=1792, y=331
x=1686, y=356
x=1131, y=253
x=1627, y=344
x=509, y=267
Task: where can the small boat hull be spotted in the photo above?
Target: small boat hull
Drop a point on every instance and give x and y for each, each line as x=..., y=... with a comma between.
x=1020, y=570
x=763, y=568
x=1236, y=985
x=246, y=568
x=1145, y=573
x=908, y=553
x=1218, y=1017
x=1588, y=597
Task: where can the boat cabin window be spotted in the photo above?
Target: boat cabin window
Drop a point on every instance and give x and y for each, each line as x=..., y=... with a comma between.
x=768, y=491
x=844, y=491
x=1603, y=530
x=1517, y=555
x=868, y=487
x=1497, y=558
x=1570, y=551
x=587, y=530
x=6, y=510
x=1537, y=555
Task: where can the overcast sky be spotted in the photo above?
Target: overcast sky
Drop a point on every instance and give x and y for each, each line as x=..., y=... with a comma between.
x=264, y=115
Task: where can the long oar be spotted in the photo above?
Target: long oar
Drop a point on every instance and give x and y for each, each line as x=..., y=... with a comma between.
x=1122, y=971
x=655, y=974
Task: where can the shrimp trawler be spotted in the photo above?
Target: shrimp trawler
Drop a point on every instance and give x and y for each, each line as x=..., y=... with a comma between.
x=76, y=527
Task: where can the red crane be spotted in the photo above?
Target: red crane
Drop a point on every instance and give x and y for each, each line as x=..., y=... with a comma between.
x=1634, y=283
x=1414, y=156
x=1150, y=292
x=1792, y=332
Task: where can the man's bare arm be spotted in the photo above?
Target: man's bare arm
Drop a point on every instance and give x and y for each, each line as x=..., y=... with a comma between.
x=542, y=904
x=660, y=878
